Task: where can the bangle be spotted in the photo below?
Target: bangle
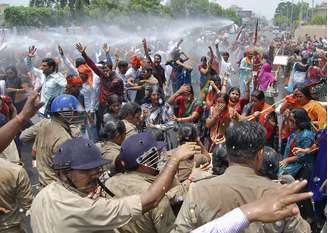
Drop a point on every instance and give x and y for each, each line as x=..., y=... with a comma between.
x=189, y=179
x=19, y=119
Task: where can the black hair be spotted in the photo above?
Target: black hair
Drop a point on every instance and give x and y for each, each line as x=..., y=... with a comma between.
x=158, y=55
x=226, y=96
x=105, y=64
x=122, y=64
x=130, y=108
x=225, y=54
x=216, y=78
x=243, y=140
x=191, y=89
x=270, y=164
x=187, y=132
x=306, y=90
x=304, y=60
x=113, y=128
x=156, y=133
x=259, y=95
x=203, y=58
x=79, y=61
x=302, y=120
x=13, y=68
x=112, y=99
x=219, y=159
x=52, y=63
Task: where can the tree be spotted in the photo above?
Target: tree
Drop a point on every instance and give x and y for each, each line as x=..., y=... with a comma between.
x=319, y=20
x=289, y=14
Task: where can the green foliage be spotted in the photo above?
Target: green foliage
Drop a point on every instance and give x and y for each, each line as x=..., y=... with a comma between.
x=201, y=8
x=61, y=12
x=38, y=16
x=319, y=20
x=288, y=14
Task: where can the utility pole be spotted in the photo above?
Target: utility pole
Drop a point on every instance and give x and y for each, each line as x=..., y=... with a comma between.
x=312, y=9
x=291, y=16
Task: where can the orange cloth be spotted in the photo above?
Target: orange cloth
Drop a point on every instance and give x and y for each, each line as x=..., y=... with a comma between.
x=135, y=61
x=74, y=81
x=84, y=69
x=317, y=113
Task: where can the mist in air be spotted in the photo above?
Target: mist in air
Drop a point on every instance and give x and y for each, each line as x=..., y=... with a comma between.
x=160, y=33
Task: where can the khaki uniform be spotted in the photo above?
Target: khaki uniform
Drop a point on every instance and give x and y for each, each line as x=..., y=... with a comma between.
x=60, y=209
x=51, y=134
x=185, y=167
x=29, y=134
x=212, y=198
x=15, y=193
x=10, y=153
x=159, y=219
x=130, y=129
x=110, y=151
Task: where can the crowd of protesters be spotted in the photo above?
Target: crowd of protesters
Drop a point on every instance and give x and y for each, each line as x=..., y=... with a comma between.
x=126, y=141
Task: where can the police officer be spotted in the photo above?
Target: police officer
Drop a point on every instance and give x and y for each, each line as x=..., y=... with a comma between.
x=65, y=111
x=240, y=184
x=114, y=134
x=72, y=204
x=131, y=116
x=15, y=196
x=140, y=155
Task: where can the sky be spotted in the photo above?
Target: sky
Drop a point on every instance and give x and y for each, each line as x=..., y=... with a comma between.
x=262, y=7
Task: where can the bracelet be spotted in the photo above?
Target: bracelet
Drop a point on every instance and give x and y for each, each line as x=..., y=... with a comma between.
x=189, y=179
x=19, y=119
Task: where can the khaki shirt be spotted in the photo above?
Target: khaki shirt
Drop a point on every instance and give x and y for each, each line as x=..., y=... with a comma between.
x=109, y=151
x=51, y=134
x=15, y=193
x=10, y=153
x=131, y=129
x=59, y=209
x=159, y=219
x=28, y=135
x=212, y=198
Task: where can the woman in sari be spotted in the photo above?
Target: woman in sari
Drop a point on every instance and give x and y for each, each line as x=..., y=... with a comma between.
x=224, y=111
x=245, y=71
x=155, y=111
x=188, y=108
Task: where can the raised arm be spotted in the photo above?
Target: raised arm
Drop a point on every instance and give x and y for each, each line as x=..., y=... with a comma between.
x=183, y=88
x=218, y=54
x=68, y=64
x=9, y=131
x=88, y=60
x=144, y=42
x=28, y=61
x=106, y=49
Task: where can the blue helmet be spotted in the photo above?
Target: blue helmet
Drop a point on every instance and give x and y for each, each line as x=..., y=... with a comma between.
x=69, y=109
x=78, y=154
x=66, y=103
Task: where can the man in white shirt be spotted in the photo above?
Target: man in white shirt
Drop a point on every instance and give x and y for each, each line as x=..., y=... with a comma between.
x=52, y=83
